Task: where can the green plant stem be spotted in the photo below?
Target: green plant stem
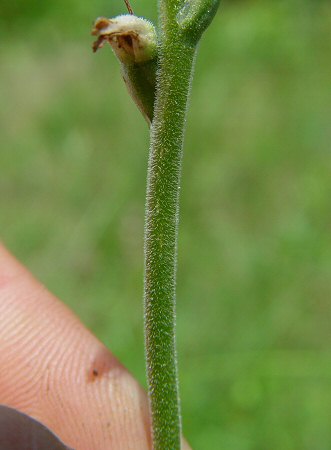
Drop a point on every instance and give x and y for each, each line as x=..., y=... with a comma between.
x=176, y=58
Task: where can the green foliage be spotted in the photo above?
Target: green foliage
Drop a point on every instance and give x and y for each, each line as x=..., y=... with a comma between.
x=254, y=244
x=194, y=17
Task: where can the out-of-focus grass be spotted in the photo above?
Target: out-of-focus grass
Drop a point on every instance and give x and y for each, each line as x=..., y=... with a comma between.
x=254, y=278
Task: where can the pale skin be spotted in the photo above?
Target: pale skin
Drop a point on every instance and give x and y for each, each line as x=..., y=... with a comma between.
x=54, y=369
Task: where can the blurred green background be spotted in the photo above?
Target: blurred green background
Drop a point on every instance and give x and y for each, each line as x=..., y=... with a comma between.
x=254, y=277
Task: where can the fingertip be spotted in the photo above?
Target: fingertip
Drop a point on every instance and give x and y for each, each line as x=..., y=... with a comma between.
x=54, y=369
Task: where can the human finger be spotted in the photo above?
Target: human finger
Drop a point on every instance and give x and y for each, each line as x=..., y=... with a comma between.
x=54, y=369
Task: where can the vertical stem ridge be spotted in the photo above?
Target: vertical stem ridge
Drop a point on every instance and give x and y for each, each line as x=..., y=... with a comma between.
x=161, y=228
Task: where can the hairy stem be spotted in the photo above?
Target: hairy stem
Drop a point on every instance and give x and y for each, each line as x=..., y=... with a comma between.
x=176, y=57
